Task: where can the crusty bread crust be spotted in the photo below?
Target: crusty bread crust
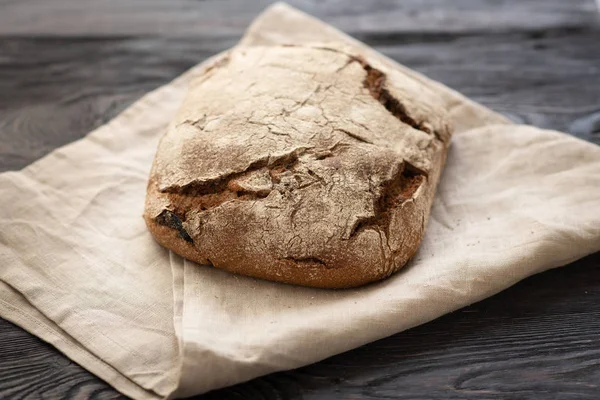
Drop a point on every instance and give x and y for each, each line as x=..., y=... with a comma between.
x=299, y=164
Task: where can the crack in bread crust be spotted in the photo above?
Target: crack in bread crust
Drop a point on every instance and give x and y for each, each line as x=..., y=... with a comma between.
x=205, y=195
x=375, y=83
x=399, y=189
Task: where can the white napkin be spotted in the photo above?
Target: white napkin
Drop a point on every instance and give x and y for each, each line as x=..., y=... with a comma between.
x=79, y=269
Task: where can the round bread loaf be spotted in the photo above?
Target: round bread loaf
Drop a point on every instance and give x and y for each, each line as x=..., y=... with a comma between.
x=299, y=164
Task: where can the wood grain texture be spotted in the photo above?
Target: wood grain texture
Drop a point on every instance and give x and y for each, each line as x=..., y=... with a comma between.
x=67, y=66
x=31, y=369
x=218, y=17
x=55, y=90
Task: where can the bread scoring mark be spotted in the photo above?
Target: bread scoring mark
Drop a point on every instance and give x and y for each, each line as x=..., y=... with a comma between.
x=171, y=220
x=374, y=82
x=402, y=187
x=213, y=186
x=207, y=194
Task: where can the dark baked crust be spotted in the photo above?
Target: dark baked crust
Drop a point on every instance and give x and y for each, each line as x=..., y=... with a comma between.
x=303, y=165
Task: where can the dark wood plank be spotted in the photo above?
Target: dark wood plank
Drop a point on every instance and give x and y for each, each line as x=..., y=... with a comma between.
x=55, y=90
x=32, y=369
x=67, y=66
x=199, y=18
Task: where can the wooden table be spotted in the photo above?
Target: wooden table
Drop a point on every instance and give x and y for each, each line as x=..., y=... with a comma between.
x=67, y=66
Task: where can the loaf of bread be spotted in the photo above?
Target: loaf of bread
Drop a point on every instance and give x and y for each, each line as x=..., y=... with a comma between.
x=306, y=165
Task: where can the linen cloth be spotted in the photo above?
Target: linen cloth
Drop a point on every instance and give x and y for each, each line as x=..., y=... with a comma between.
x=79, y=269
